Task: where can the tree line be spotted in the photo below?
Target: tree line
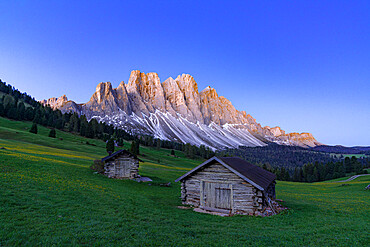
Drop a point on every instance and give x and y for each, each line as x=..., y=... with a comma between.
x=316, y=172
x=274, y=155
x=298, y=164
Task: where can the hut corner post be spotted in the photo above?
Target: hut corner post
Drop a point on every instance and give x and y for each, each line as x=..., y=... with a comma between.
x=183, y=192
x=134, y=172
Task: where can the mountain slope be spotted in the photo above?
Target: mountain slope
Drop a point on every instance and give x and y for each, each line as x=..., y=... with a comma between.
x=176, y=110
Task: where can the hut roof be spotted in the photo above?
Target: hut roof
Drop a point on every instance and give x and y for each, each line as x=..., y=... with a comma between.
x=122, y=151
x=253, y=174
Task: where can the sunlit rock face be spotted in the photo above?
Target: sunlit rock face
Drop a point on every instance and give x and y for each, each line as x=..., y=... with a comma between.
x=175, y=110
x=146, y=92
x=174, y=98
x=55, y=103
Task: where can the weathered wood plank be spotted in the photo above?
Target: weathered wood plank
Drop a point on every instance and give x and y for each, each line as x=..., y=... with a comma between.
x=216, y=210
x=217, y=188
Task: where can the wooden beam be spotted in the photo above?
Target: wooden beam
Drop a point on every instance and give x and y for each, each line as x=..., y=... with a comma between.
x=216, y=210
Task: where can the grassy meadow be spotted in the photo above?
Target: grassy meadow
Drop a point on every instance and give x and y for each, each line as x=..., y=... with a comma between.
x=49, y=196
x=350, y=155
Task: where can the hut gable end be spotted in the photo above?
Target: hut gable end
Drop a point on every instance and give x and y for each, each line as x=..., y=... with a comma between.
x=121, y=164
x=216, y=186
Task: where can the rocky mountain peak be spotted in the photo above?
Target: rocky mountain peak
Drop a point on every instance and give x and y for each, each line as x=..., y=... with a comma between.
x=187, y=83
x=189, y=88
x=244, y=114
x=209, y=92
x=153, y=77
x=276, y=131
x=122, y=99
x=175, y=99
x=103, y=90
x=63, y=98
x=175, y=110
x=146, y=92
x=170, y=82
x=122, y=85
x=55, y=103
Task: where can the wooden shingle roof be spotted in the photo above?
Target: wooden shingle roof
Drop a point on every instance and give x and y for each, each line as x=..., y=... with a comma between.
x=253, y=174
x=122, y=151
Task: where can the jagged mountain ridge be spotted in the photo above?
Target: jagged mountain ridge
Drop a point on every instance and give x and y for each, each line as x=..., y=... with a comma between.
x=175, y=110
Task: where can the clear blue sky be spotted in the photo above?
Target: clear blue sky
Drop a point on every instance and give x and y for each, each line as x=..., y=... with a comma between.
x=301, y=65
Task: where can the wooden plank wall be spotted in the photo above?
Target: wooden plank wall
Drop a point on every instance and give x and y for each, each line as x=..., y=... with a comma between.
x=123, y=166
x=271, y=191
x=246, y=198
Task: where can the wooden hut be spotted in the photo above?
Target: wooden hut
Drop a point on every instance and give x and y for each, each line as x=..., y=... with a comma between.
x=228, y=185
x=121, y=164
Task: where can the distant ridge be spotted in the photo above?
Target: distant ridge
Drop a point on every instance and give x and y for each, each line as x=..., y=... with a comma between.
x=175, y=110
x=341, y=149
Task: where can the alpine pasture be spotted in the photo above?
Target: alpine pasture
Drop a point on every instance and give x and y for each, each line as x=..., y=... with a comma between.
x=49, y=196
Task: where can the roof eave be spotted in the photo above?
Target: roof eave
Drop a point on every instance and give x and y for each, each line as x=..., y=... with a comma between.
x=224, y=164
x=194, y=169
x=109, y=157
x=240, y=175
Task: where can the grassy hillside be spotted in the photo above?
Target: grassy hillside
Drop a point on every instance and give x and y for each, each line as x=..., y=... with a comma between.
x=48, y=195
x=350, y=155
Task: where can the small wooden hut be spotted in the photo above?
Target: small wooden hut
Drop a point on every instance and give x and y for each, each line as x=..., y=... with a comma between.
x=121, y=164
x=228, y=185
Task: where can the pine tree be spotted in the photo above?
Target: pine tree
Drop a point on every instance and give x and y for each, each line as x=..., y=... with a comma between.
x=209, y=153
x=158, y=144
x=8, y=101
x=286, y=176
x=21, y=111
x=341, y=169
x=264, y=166
x=315, y=175
x=59, y=123
x=191, y=152
x=52, y=133
x=133, y=147
x=44, y=121
x=202, y=151
x=12, y=113
x=120, y=142
x=83, y=128
x=173, y=152
x=356, y=165
x=296, y=175
x=90, y=130
x=110, y=146
x=187, y=149
x=34, y=128
x=29, y=114
x=1, y=110
x=75, y=122
x=348, y=164
x=137, y=147
x=36, y=118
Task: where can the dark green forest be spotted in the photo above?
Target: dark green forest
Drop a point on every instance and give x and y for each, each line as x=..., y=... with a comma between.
x=274, y=155
x=299, y=164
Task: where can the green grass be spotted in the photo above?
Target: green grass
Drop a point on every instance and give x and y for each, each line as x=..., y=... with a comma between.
x=49, y=196
x=350, y=155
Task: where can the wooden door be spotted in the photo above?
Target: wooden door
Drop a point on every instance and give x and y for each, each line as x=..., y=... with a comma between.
x=118, y=170
x=216, y=195
x=222, y=196
x=127, y=168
